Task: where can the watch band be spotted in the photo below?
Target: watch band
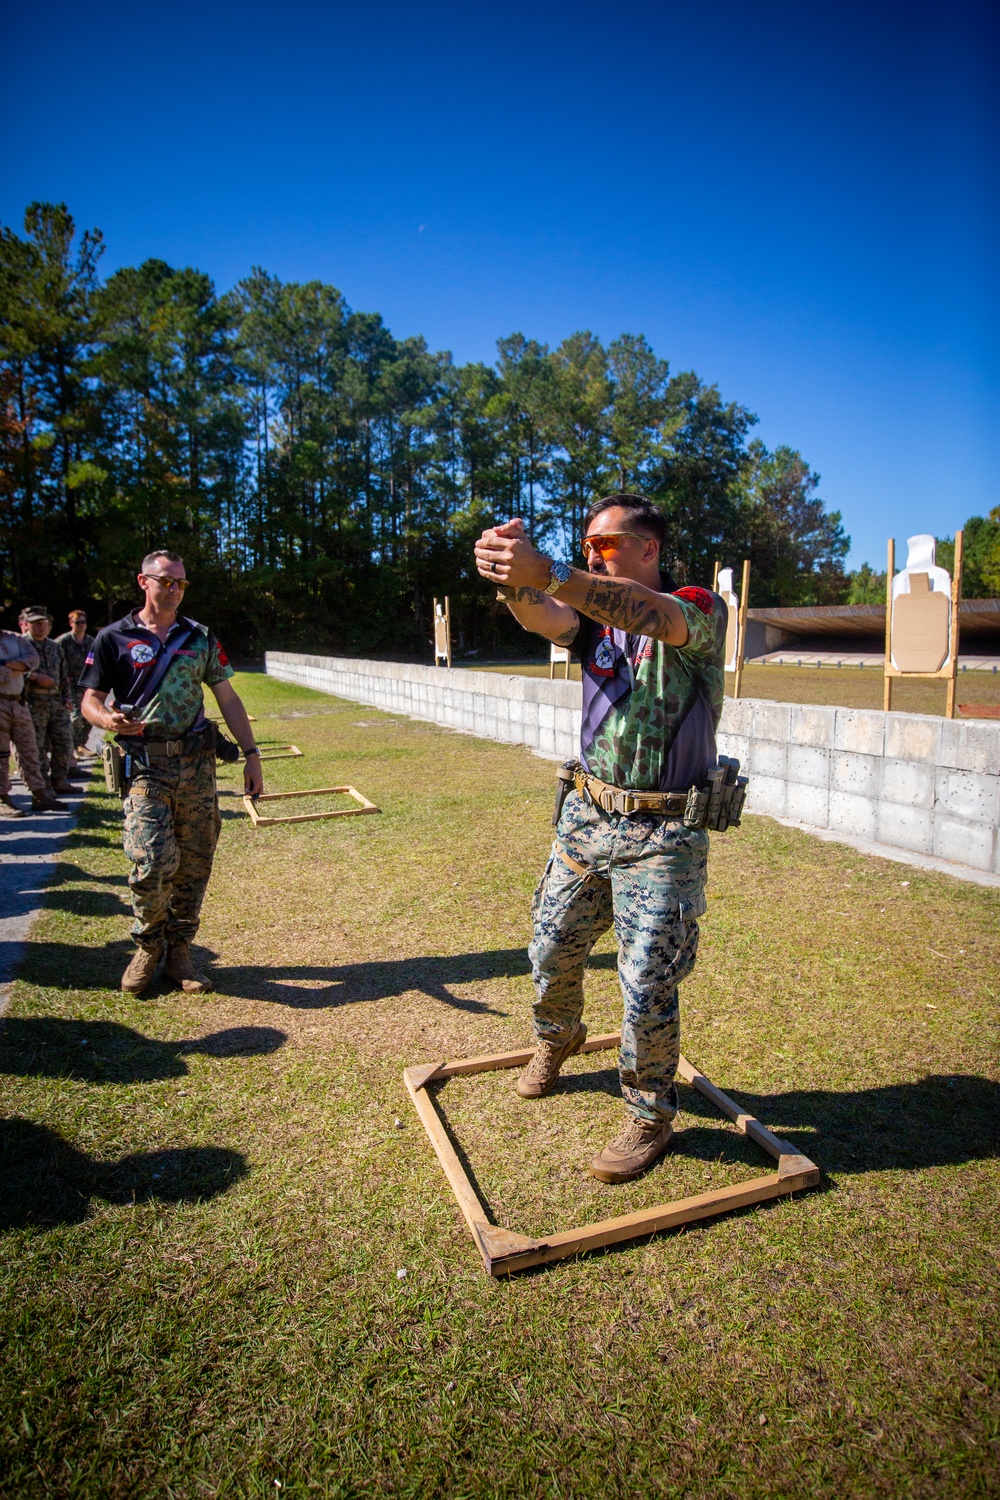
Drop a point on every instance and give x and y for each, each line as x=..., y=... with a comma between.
x=558, y=575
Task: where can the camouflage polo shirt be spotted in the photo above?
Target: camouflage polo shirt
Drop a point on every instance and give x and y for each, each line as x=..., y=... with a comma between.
x=125, y=653
x=650, y=711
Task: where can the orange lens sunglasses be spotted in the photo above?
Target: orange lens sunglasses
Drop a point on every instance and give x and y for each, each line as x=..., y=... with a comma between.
x=607, y=542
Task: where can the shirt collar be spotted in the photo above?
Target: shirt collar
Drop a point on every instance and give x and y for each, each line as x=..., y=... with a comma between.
x=129, y=622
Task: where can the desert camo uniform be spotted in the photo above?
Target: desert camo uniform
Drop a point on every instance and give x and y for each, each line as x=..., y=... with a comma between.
x=650, y=712
x=172, y=818
x=50, y=714
x=76, y=653
x=16, y=726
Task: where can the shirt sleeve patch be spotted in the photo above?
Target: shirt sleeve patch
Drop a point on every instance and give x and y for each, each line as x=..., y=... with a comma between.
x=700, y=597
x=223, y=658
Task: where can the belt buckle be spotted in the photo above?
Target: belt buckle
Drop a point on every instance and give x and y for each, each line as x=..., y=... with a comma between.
x=629, y=803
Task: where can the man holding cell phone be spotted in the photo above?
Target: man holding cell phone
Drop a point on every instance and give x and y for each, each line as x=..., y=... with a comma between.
x=154, y=662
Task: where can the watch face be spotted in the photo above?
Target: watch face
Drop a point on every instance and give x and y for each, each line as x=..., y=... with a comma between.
x=560, y=571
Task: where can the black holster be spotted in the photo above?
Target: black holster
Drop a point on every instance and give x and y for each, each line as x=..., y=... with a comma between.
x=565, y=777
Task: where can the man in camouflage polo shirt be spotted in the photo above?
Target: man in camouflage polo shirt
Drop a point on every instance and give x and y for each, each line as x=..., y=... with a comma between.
x=75, y=644
x=48, y=694
x=172, y=816
x=653, y=683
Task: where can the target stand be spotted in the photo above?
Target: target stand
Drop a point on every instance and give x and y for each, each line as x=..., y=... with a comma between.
x=504, y=1250
x=364, y=806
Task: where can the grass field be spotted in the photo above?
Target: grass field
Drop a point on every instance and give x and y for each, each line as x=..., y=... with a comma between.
x=208, y=1202
x=847, y=687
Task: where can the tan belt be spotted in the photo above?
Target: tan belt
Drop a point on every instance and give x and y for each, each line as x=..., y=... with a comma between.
x=618, y=799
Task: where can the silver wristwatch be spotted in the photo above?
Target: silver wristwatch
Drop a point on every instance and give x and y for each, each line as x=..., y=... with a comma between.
x=558, y=575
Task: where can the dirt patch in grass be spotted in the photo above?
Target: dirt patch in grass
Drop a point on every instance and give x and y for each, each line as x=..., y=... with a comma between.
x=207, y=1200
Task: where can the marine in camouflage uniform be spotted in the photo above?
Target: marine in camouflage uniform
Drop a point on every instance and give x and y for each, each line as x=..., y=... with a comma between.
x=641, y=871
x=172, y=818
x=76, y=653
x=649, y=715
x=49, y=706
x=17, y=729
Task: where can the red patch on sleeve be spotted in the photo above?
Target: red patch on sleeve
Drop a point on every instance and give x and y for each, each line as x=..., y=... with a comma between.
x=701, y=597
x=223, y=658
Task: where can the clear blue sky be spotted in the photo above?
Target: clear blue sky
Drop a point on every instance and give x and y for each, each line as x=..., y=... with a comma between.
x=797, y=201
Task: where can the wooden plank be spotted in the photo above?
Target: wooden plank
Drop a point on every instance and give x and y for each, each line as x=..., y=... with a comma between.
x=494, y=1061
x=741, y=636
x=647, y=1221
x=743, y=1122
x=956, y=596
x=468, y=1201
x=890, y=568
x=421, y=1075
x=316, y=791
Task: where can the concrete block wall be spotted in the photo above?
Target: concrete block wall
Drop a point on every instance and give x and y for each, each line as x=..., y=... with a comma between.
x=908, y=781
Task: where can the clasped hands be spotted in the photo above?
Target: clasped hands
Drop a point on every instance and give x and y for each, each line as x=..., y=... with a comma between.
x=505, y=556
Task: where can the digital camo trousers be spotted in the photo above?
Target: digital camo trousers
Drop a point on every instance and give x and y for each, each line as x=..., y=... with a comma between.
x=17, y=728
x=81, y=729
x=53, y=735
x=646, y=876
x=172, y=826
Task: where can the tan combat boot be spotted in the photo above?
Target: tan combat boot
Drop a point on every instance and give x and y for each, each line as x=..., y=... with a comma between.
x=542, y=1073
x=9, y=808
x=139, y=974
x=635, y=1148
x=182, y=971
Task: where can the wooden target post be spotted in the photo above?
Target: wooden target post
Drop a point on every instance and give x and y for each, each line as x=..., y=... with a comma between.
x=558, y=653
x=913, y=632
x=504, y=1250
x=736, y=630
x=442, y=632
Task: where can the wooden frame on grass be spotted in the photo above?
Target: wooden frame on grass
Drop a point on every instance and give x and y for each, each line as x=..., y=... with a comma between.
x=250, y=803
x=274, y=752
x=504, y=1250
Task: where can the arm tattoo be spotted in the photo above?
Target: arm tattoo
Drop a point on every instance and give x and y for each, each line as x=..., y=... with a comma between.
x=612, y=602
x=524, y=595
x=568, y=636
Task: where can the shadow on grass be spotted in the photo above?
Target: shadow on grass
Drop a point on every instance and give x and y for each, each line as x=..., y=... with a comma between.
x=47, y=1182
x=106, y=1052
x=940, y=1120
x=313, y=987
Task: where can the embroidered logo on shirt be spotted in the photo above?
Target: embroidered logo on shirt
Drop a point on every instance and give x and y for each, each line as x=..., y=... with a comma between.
x=90, y=659
x=223, y=658
x=603, y=664
x=701, y=597
x=141, y=654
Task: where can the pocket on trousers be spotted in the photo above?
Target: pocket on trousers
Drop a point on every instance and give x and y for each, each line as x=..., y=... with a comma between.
x=147, y=828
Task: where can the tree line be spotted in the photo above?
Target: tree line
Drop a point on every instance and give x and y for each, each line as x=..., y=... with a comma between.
x=323, y=479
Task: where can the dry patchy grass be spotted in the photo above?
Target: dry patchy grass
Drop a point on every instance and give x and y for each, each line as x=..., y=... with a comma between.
x=207, y=1200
